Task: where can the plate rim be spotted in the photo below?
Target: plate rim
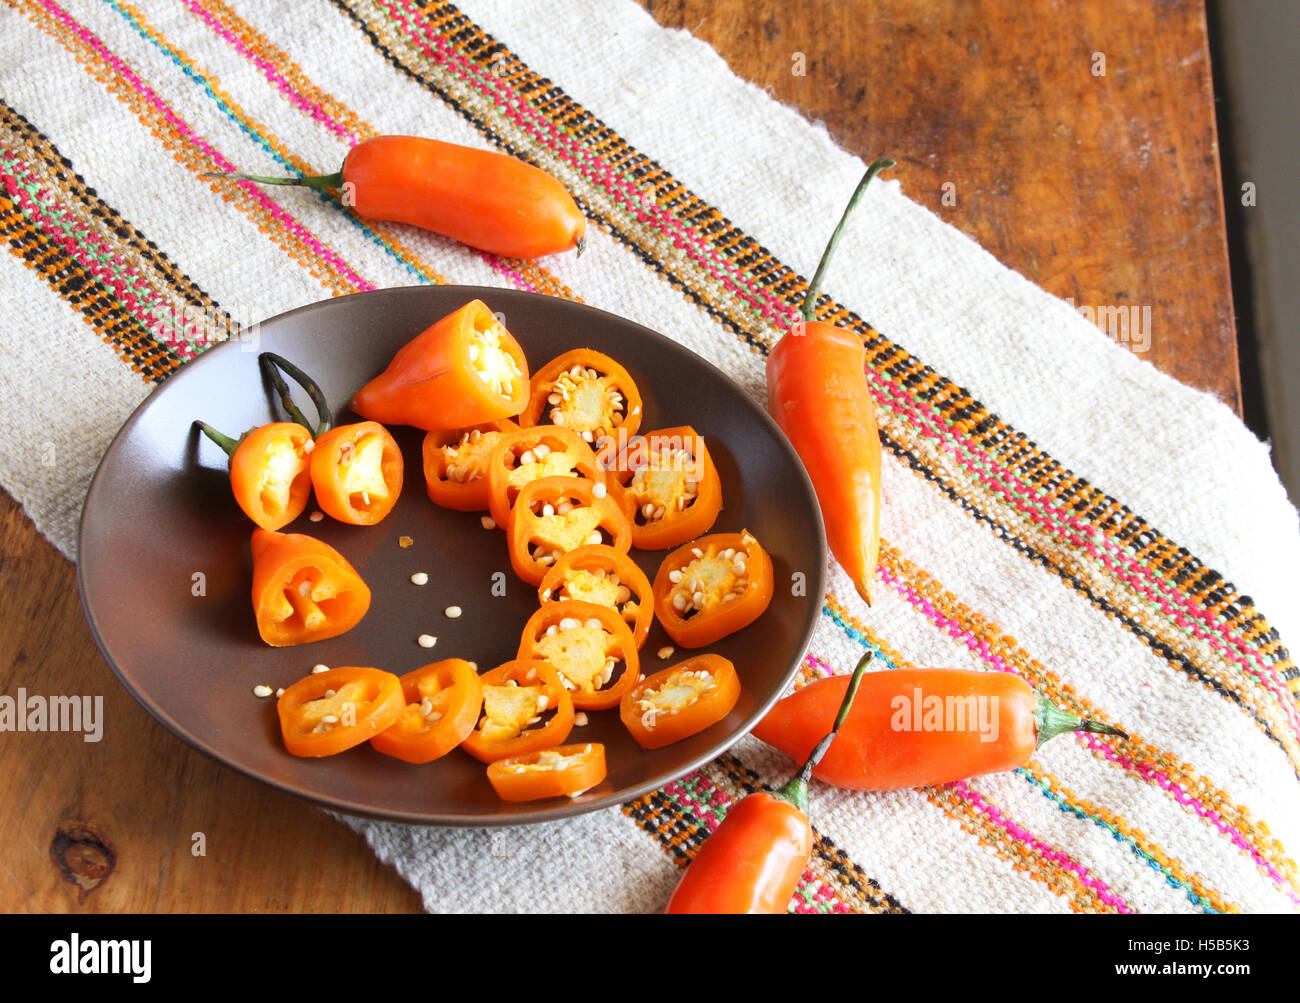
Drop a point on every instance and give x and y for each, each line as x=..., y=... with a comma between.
x=345, y=806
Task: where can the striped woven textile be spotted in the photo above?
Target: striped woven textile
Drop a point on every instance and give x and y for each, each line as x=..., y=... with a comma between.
x=1054, y=506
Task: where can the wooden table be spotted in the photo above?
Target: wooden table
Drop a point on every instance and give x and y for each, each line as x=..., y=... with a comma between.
x=1104, y=188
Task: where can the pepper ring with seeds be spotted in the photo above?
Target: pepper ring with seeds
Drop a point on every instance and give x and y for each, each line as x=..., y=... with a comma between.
x=605, y=576
x=713, y=587
x=529, y=454
x=586, y=391
x=586, y=643
x=555, y=515
x=456, y=464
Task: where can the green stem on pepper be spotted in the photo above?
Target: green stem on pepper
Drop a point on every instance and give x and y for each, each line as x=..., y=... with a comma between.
x=224, y=441
x=796, y=789
x=319, y=181
x=271, y=364
x=810, y=300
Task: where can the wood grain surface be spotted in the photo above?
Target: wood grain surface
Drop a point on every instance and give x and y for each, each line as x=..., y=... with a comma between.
x=1100, y=188
x=1104, y=188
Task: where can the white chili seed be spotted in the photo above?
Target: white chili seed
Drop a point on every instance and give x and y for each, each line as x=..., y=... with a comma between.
x=487, y=522
x=261, y=691
x=426, y=640
x=453, y=612
x=665, y=652
x=419, y=578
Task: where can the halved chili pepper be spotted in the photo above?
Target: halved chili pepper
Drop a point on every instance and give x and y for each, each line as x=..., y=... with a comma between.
x=456, y=464
x=566, y=771
x=328, y=712
x=605, y=576
x=671, y=489
x=917, y=727
x=528, y=454
x=680, y=701
x=525, y=708
x=486, y=200
x=303, y=589
x=586, y=391
x=586, y=643
x=443, y=701
x=817, y=393
x=713, y=587
x=753, y=861
x=357, y=471
x=554, y=515
x=270, y=471
x=270, y=466
x=463, y=370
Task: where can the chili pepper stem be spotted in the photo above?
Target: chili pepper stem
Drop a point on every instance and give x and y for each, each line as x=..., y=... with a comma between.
x=810, y=300
x=1051, y=721
x=271, y=364
x=224, y=441
x=796, y=789
x=319, y=181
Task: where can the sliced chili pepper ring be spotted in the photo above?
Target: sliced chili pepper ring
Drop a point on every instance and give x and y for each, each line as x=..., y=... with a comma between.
x=555, y=515
x=525, y=708
x=443, y=701
x=603, y=575
x=328, y=712
x=357, y=471
x=585, y=643
x=456, y=464
x=586, y=391
x=713, y=587
x=566, y=771
x=529, y=454
x=680, y=701
x=671, y=489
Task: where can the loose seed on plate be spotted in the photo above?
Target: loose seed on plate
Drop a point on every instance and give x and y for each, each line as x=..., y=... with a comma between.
x=487, y=522
x=316, y=516
x=261, y=691
x=419, y=578
x=453, y=611
x=317, y=669
x=426, y=640
x=580, y=719
x=665, y=652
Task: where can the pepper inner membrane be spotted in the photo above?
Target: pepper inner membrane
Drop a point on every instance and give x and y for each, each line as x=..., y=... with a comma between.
x=708, y=581
x=586, y=401
x=510, y=709
x=578, y=652
x=494, y=367
x=308, y=602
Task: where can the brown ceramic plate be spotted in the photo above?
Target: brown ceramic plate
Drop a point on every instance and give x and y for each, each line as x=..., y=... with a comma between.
x=159, y=513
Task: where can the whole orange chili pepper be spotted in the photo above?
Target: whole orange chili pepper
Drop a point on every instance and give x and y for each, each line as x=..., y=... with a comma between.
x=487, y=200
x=753, y=861
x=917, y=727
x=817, y=393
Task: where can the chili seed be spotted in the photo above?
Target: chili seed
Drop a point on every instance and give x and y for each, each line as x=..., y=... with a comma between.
x=426, y=640
x=419, y=578
x=261, y=691
x=453, y=611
